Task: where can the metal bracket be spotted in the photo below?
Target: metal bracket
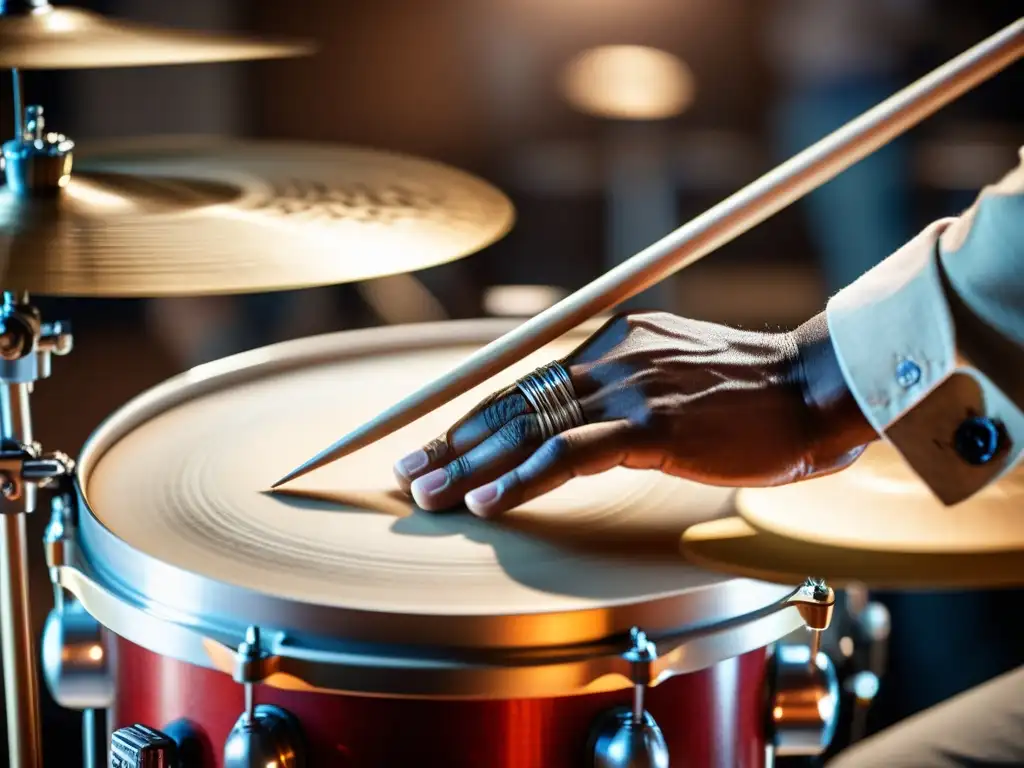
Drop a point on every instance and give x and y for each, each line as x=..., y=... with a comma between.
x=816, y=601
x=26, y=467
x=27, y=343
x=252, y=663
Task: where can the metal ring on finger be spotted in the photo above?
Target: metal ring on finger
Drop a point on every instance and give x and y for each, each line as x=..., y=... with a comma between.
x=550, y=393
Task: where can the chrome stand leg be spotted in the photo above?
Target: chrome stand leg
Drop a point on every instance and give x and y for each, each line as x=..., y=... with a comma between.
x=94, y=739
x=21, y=683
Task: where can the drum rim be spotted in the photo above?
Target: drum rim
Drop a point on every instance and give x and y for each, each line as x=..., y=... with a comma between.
x=201, y=600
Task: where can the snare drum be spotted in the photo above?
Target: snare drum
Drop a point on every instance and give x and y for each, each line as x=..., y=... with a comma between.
x=368, y=633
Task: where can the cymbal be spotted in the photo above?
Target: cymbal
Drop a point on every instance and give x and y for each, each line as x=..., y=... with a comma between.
x=879, y=505
x=732, y=546
x=46, y=37
x=188, y=216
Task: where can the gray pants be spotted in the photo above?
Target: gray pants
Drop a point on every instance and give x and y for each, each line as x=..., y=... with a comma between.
x=981, y=728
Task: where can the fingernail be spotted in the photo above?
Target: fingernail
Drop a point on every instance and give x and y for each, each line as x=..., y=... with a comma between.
x=413, y=463
x=484, y=496
x=430, y=483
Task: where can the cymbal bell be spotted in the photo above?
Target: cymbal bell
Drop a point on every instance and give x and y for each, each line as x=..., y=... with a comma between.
x=733, y=546
x=37, y=35
x=187, y=216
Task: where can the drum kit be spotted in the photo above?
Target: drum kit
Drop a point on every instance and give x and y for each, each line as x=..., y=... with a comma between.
x=201, y=621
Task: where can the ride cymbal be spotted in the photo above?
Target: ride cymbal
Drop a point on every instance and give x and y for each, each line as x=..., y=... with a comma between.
x=875, y=523
x=190, y=217
x=879, y=505
x=734, y=547
x=40, y=36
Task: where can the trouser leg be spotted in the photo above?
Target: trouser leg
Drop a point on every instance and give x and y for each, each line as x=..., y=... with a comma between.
x=982, y=728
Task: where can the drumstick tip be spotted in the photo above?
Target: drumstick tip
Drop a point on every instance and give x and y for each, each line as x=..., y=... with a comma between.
x=322, y=458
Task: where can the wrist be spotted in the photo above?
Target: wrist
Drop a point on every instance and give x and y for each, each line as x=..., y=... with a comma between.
x=833, y=409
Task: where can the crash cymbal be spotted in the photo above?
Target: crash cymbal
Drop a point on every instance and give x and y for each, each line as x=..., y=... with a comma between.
x=879, y=505
x=37, y=35
x=733, y=546
x=192, y=217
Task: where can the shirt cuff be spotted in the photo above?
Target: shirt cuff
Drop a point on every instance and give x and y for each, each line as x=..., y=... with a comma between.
x=896, y=340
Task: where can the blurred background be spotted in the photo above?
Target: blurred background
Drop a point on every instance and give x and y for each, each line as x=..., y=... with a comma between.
x=608, y=123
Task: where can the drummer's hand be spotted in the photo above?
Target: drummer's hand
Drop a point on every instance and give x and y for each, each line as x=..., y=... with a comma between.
x=701, y=401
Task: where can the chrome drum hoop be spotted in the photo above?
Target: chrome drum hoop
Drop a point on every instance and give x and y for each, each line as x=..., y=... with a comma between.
x=306, y=663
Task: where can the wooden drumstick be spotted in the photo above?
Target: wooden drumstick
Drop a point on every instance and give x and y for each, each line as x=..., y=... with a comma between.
x=715, y=227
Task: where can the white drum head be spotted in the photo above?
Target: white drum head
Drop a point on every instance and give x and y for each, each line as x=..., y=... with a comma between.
x=181, y=478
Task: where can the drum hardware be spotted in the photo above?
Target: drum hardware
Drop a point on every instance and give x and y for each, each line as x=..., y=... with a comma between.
x=40, y=163
x=264, y=736
x=178, y=745
x=803, y=698
x=628, y=737
x=26, y=346
x=803, y=701
x=864, y=650
x=77, y=659
x=138, y=746
x=426, y=672
x=79, y=672
x=815, y=601
x=77, y=664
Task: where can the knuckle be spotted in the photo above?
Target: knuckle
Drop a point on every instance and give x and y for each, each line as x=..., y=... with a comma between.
x=518, y=432
x=458, y=469
x=437, y=448
x=502, y=410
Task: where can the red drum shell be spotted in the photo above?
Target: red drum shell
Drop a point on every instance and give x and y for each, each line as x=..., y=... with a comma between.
x=711, y=719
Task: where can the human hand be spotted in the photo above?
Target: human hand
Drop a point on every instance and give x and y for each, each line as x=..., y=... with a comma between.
x=697, y=400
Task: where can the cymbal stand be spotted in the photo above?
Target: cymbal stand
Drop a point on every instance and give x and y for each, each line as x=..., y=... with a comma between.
x=866, y=648
x=35, y=164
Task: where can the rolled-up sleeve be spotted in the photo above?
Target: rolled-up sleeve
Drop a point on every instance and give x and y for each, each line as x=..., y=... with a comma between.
x=931, y=343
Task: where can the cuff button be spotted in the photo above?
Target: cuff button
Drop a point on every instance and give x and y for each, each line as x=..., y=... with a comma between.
x=908, y=373
x=977, y=440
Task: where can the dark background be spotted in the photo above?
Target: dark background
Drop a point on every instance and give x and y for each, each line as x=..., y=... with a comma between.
x=473, y=83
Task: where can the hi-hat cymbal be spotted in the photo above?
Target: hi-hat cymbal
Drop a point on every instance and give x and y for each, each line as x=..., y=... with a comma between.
x=879, y=505
x=191, y=217
x=45, y=37
x=734, y=547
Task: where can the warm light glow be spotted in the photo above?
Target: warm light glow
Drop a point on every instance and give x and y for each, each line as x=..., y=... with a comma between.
x=96, y=653
x=520, y=300
x=94, y=197
x=629, y=82
x=846, y=647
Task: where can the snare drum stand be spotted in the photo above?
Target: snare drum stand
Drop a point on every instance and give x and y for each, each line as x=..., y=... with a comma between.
x=36, y=164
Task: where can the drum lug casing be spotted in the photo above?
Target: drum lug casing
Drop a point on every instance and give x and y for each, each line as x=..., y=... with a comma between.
x=264, y=736
x=77, y=659
x=629, y=737
x=803, y=701
x=78, y=665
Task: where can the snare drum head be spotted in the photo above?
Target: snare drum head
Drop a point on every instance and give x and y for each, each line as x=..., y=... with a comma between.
x=181, y=478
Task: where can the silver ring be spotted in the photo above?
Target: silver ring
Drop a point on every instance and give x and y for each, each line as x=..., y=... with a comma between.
x=550, y=393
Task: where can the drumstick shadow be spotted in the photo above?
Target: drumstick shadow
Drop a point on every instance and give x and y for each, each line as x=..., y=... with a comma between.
x=548, y=553
x=391, y=502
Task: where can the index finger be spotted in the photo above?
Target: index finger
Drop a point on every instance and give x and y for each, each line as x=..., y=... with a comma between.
x=487, y=418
